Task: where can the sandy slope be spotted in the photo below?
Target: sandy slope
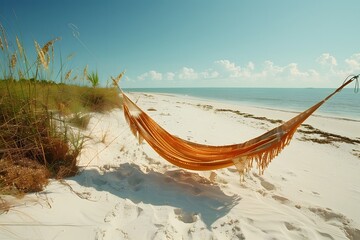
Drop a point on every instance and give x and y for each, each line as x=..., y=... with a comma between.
x=126, y=191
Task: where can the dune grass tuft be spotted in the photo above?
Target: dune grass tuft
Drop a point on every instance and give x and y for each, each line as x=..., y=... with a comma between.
x=38, y=140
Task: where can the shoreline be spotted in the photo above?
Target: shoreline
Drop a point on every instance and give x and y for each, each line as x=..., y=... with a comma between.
x=318, y=113
x=275, y=115
x=125, y=190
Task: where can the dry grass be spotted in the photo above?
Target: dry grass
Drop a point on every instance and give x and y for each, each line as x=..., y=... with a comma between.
x=36, y=141
x=101, y=99
x=36, y=131
x=62, y=98
x=44, y=57
x=32, y=148
x=80, y=121
x=22, y=175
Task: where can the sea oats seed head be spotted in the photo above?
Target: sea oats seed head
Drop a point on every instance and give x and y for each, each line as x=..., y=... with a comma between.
x=4, y=37
x=21, y=75
x=52, y=52
x=21, y=49
x=46, y=47
x=85, y=72
x=119, y=76
x=67, y=76
x=41, y=55
x=13, y=60
x=117, y=79
x=1, y=44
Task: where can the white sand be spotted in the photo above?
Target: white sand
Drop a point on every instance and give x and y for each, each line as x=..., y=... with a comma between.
x=126, y=191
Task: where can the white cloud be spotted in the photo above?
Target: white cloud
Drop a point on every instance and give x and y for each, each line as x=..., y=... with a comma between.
x=313, y=73
x=188, y=74
x=327, y=60
x=209, y=73
x=327, y=72
x=270, y=69
x=354, y=62
x=350, y=65
x=235, y=71
x=170, y=76
x=142, y=76
x=285, y=73
x=153, y=75
x=248, y=70
x=251, y=66
x=294, y=70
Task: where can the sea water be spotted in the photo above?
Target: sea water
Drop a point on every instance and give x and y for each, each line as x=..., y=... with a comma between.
x=345, y=104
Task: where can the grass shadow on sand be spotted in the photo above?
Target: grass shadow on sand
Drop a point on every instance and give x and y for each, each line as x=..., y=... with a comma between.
x=187, y=191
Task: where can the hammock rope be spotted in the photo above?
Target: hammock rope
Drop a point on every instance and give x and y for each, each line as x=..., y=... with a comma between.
x=201, y=157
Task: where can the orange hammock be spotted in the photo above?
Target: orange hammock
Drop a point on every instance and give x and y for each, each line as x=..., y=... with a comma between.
x=201, y=157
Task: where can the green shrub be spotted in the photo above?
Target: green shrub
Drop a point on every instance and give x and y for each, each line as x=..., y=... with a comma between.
x=94, y=79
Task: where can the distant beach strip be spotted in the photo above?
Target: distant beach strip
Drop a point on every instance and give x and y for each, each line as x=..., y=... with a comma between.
x=344, y=105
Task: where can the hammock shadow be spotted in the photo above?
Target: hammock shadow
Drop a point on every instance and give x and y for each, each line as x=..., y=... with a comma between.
x=187, y=191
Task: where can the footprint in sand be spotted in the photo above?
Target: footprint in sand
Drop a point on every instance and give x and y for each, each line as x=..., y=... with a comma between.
x=265, y=184
x=291, y=227
x=280, y=199
x=124, y=210
x=233, y=228
x=328, y=215
x=135, y=182
x=152, y=161
x=112, y=214
x=130, y=211
x=268, y=186
x=291, y=173
x=185, y=217
x=99, y=182
x=326, y=235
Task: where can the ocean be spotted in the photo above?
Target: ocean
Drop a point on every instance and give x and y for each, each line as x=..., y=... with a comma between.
x=345, y=104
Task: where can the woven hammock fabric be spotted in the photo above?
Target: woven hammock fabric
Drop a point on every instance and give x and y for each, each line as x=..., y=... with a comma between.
x=194, y=156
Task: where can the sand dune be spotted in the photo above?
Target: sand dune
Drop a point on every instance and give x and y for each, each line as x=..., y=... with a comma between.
x=126, y=191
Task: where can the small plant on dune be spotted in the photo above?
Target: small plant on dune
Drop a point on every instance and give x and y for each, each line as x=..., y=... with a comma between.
x=99, y=99
x=93, y=78
x=104, y=137
x=79, y=120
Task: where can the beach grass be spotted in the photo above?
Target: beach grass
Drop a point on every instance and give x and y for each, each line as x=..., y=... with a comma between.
x=41, y=117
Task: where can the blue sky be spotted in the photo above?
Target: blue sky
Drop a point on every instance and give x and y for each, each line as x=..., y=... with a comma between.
x=198, y=43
